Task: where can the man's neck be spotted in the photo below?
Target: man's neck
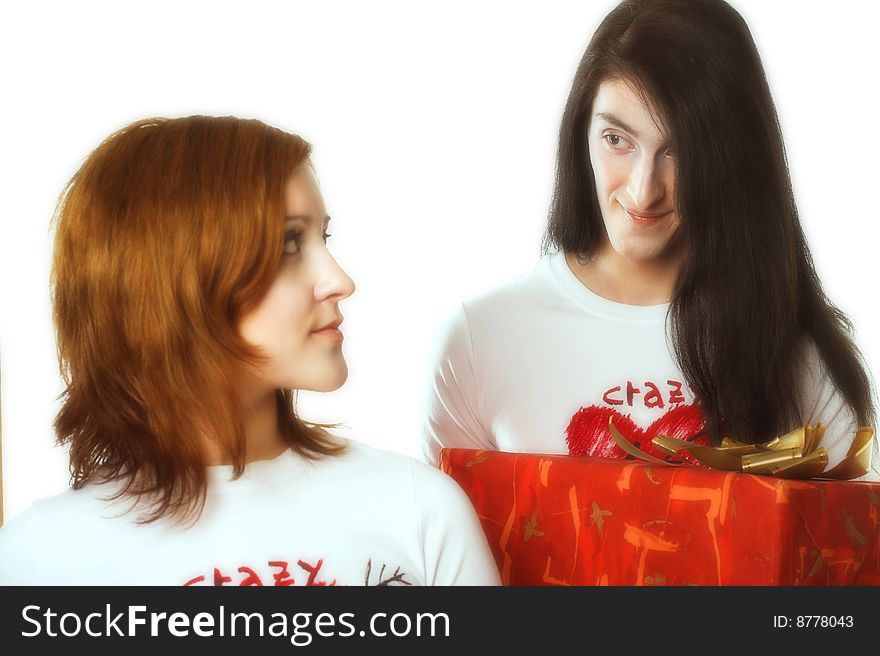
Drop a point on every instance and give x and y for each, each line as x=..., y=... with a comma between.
x=619, y=279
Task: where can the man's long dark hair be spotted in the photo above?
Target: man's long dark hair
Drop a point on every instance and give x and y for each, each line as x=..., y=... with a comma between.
x=747, y=300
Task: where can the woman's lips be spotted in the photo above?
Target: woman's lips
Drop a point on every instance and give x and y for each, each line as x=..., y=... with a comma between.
x=329, y=333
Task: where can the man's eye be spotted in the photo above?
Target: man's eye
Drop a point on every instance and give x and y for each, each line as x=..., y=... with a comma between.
x=615, y=141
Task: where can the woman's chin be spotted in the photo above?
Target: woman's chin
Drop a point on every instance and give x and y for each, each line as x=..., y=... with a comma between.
x=328, y=382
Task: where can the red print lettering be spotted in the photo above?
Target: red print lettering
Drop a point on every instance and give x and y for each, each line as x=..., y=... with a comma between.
x=630, y=392
x=251, y=578
x=313, y=573
x=219, y=579
x=653, y=396
x=609, y=399
x=282, y=577
x=675, y=395
x=653, y=399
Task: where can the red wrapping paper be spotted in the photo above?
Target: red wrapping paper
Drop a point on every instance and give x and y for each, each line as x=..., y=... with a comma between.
x=561, y=520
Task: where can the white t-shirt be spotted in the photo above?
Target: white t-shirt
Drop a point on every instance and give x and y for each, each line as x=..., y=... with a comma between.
x=365, y=517
x=540, y=364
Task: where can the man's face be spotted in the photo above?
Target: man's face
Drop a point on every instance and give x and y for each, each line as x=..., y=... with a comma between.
x=634, y=175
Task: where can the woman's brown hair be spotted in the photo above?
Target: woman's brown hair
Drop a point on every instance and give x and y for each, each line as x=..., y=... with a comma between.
x=170, y=231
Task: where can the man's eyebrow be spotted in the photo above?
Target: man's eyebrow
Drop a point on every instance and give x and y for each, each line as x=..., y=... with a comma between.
x=616, y=122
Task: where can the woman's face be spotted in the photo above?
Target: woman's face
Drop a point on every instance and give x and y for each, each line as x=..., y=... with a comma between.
x=296, y=325
x=634, y=176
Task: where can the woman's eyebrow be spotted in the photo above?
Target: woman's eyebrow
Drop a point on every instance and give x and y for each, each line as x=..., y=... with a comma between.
x=616, y=122
x=307, y=218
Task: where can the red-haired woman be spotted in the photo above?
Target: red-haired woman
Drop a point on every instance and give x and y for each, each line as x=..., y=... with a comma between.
x=193, y=293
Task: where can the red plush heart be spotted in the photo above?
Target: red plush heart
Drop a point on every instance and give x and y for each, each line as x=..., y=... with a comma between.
x=588, y=435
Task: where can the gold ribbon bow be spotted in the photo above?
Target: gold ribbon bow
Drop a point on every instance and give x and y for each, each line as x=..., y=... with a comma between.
x=795, y=455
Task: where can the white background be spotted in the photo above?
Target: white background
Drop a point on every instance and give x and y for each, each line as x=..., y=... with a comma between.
x=434, y=127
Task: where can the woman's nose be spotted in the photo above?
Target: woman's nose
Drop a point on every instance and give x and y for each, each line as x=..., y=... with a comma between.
x=333, y=282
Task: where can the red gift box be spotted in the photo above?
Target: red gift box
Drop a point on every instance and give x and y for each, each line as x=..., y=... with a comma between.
x=560, y=520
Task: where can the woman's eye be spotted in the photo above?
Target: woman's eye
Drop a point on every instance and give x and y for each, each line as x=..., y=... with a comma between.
x=326, y=236
x=291, y=242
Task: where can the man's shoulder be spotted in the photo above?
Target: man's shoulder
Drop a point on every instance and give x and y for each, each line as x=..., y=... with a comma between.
x=503, y=303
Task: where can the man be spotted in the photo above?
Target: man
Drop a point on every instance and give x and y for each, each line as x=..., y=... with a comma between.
x=678, y=296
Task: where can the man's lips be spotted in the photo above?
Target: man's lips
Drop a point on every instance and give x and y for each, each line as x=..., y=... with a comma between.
x=645, y=217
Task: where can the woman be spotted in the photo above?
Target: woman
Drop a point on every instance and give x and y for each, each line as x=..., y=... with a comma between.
x=193, y=293
x=681, y=298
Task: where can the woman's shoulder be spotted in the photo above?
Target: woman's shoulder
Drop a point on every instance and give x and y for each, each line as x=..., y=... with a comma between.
x=401, y=473
x=67, y=510
x=32, y=541
x=373, y=462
